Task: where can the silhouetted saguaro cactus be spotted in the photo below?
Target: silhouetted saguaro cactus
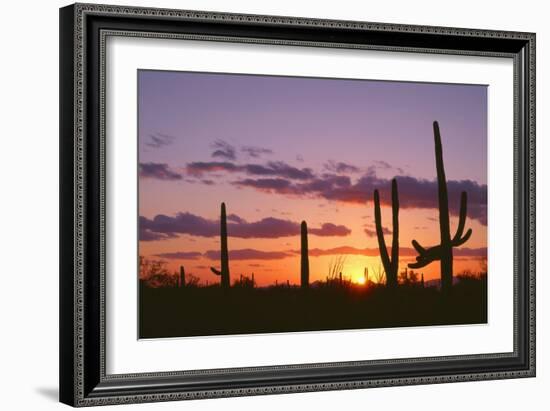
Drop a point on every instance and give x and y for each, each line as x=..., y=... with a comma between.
x=304, y=262
x=390, y=265
x=443, y=251
x=182, y=276
x=224, y=255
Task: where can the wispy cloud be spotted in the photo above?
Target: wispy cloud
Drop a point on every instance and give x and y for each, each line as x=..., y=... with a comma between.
x=181, y=255
x=405, y=253
x=249, y=254
x=375, y=252
x=222, y=149
x=381, y=165
x=256, y=152
x=340, y=167
x=159, y=140
x=272, y=168
x=370, y=230
x=159, y=171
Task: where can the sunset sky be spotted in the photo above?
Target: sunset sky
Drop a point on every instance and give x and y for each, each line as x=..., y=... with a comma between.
x=279, y=150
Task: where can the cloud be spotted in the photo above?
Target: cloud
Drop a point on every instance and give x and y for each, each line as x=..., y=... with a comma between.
x=181, y=255
x=159, y=171
x=348, y=250
x=249, y=254
x=165, y=227
x=403, y=251
x=272, y=168
x=370, y=230
x=198, y=168
x=223, y=149
x=235, y=218
x=385, y=166
x=470, y=252
x=148, y=235
x=255, y=152
x=330, y=230
x=413, y=192
x=280, y=169
x=159, y=140
x=182, y=223
x=340, y=167
x=271, y=185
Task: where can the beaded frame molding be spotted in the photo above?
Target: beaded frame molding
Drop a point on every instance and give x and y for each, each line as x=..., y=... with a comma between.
x=83, y=31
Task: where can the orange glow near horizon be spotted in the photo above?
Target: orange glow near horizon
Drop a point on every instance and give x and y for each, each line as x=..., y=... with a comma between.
x=268, y=272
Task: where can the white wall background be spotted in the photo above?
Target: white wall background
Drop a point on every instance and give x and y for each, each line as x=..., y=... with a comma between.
x=29, y=204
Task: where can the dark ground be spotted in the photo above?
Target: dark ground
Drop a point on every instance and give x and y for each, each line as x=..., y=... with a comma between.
x=199, y=311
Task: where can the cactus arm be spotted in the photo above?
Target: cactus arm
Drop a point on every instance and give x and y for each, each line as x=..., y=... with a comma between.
x=417, y=265
x=427, y=256
x=419, y=249
x=217, y=272
x=458, y=242
x=461, y=216
x=380, y=234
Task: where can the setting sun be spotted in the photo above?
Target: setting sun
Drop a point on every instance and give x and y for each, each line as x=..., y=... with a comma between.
x=360, y=280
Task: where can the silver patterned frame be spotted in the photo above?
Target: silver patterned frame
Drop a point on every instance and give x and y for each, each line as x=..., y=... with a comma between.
x=83, y=380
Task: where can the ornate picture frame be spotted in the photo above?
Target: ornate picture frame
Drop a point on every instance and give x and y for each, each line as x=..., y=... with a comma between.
x=84, y=378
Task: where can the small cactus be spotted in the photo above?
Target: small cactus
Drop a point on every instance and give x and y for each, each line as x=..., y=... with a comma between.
x=182, y=277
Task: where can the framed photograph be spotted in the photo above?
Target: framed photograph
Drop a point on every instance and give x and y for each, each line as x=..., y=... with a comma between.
x=262, y=204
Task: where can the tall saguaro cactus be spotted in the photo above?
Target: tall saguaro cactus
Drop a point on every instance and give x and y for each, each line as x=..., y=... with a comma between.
x=443, y=251
x=182, y=276
x=304, y=262
x=390, y=265
x=224, y=255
